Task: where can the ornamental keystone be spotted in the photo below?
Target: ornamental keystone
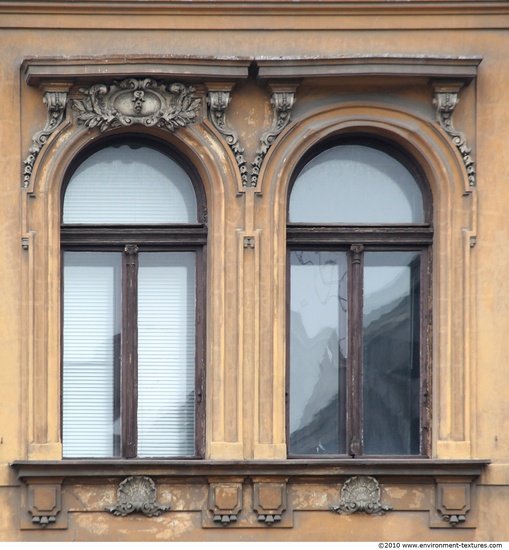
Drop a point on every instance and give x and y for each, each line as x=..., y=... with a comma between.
x=141, y=101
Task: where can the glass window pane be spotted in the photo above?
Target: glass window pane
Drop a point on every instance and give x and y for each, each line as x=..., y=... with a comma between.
x=166, y=354
x=92, y=309
x=127, y=185
x=391, y=352
x=318, y=351
x=355, y=184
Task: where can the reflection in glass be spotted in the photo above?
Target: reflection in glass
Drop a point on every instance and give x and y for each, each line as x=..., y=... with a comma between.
x=391, y=353
x=355, y=184
x=127, y=185
x=318, y=350
x=166, y=353
x=91, y=361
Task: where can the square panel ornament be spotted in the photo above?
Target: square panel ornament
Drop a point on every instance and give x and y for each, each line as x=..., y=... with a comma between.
x=225, y=502
x=41, y=506
x=269, y=501
x=453, y=505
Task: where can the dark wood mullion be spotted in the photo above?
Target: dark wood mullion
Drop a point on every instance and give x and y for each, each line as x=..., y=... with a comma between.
x=129, y=371
x=425, y=350
x=200, y=352
x=354, y=394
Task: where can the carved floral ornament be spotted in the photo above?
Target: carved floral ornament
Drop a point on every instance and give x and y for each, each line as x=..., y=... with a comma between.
x=170, y=106
x=282, y=102
x=445, y=100
x=360, y=494
x=218, y=102
x=142, y=101
x=137, y=494
x=137, y=101
x=55, y=102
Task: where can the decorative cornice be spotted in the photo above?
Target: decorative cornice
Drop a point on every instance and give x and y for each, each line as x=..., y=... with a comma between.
x=105, y=69
x=304, y=468
x=55, y=102
x=194, y=69
x=137, y=101
x=445, y=100
x=360, y=494
x=282, y=101
x=323, y=14
x=137, y=494
x=218, y=101
x=276, y=69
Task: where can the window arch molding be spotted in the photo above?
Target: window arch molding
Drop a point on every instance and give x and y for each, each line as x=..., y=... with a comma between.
x=195, y=146
x=454, y=218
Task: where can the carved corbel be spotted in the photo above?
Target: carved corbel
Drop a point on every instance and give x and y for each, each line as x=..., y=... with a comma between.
x=55, y=99
x=452, y=500
x=269, y=500
x=446, y=97
x=44, y=505
x=282, y=100
x=137, y=494
x=360, y=494
x=225, y=501
x=218, y=100
x=142, y=101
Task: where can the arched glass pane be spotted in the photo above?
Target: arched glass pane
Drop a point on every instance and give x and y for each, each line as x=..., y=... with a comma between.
x=129, y=185
x=355, y=184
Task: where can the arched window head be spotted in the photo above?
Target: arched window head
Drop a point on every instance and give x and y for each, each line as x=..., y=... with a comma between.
x=355, y=184
x=129, y=184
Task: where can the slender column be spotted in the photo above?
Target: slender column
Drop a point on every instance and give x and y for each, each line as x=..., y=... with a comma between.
x=354, y=421
x=129, y=376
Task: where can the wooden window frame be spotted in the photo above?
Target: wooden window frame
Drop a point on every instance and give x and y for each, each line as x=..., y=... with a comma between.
x=130, y=240
x=356, y=239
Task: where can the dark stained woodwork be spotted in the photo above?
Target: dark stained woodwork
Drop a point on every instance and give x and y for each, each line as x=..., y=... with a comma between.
x=129, y=361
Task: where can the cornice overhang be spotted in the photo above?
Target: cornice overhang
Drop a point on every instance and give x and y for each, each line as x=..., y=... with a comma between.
x=256, y=7
x=298, y=468
x=40, y=70
x=459, y=68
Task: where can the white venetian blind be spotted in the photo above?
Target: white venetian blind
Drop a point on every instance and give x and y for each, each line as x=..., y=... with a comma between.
x=129, y=185
x=166, y=354
x=91, y=353
x=355, y=184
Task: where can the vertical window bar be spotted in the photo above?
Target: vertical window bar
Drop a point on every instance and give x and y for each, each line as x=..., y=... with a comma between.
x=355, y=356
x=426, y=348
x=129, y=371
x=200, y=354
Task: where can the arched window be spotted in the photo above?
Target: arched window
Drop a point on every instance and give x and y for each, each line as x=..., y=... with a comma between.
x=359, y=236
x=132, y=239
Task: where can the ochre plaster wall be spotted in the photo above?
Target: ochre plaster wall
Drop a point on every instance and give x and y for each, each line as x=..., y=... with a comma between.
x=246, y=343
